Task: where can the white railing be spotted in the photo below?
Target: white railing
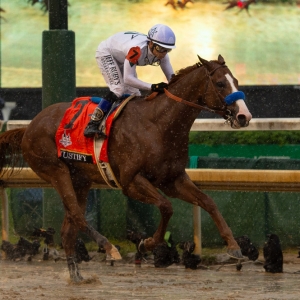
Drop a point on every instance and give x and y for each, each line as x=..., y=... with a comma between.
x=214, y=124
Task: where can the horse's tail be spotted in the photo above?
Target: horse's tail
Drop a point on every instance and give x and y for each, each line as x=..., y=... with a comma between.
x=10, y=149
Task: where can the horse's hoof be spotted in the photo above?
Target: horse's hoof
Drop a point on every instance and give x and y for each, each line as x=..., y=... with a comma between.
x=75, y=275
x=142, y=247
x=235, y=253
x=76, y=278
x=113, y=254
x=239, y=266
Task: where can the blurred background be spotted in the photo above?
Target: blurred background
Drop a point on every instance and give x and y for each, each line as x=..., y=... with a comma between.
x=260, y=49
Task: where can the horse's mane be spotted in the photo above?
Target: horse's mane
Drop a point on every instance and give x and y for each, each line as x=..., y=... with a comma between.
x=182, y=72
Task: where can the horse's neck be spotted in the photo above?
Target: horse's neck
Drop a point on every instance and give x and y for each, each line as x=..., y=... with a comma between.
x=189, y=88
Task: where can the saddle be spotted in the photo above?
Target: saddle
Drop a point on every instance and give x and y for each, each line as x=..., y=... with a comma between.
x=71, y=143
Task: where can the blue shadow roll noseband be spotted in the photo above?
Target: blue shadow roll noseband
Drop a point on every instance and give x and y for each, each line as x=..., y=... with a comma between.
x=231, y=98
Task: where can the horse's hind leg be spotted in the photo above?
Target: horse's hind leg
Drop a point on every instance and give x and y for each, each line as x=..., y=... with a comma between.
x=74, y=219
x=247, y=9
x=73, y=192
x=141, y=189
x=70, y=230
x=69, y=233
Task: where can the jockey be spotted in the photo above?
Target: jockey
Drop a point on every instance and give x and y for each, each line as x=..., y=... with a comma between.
x=118, y=57
x=240, y=3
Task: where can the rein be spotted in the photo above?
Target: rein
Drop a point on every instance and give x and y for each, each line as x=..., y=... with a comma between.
x=173, y=97
x=221, y=112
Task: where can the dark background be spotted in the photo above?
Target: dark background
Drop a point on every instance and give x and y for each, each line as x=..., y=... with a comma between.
x=278, y=101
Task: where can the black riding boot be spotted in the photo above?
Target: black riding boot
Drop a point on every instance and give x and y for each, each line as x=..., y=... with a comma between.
x=100, y=111
x=92, y=127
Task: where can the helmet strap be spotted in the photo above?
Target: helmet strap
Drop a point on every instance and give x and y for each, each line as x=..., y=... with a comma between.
x=153, y=60
x=151, y=48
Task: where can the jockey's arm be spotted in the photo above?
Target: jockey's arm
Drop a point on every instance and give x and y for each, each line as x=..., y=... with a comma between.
x=130, y=77
x=166, y=67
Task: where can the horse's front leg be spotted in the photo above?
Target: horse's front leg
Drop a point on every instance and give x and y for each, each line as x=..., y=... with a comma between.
x=184, y=189
x=141, y=189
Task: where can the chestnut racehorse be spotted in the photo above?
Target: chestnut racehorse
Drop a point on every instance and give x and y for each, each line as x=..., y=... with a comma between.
x=241, y=4
x=180, y=4
x=148, y=153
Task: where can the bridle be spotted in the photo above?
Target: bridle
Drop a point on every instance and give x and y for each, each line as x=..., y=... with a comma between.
x=224, y=111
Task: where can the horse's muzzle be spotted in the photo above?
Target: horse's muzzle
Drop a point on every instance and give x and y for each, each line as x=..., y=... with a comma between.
x=242, y=117
x=240, y=121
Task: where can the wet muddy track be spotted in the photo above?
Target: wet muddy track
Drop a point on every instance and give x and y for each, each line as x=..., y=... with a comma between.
x=49, y=280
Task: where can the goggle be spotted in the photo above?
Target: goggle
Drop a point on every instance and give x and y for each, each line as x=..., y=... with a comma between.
x=161, y=49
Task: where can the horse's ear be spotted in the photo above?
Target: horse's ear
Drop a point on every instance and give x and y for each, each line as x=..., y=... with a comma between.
x=221, y=59
x=203, y=61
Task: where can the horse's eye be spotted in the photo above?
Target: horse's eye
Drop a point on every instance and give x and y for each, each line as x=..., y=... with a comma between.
x=220, y=84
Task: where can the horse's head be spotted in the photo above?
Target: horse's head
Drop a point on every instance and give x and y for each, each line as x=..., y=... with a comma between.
x=222, y=93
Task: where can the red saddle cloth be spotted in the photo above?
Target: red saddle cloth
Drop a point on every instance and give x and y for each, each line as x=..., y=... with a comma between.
x=70, y=141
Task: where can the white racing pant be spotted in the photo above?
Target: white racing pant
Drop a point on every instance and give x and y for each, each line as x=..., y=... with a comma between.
x=113, y=74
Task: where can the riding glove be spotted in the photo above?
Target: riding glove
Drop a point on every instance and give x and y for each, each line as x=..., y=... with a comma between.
x=159, y=87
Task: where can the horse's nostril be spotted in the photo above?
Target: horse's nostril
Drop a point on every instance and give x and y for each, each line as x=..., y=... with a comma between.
x=242, y=120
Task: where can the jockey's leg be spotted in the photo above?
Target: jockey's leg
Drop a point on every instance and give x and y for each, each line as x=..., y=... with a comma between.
x=100, y=111
x=116, y=89
x=129, y=90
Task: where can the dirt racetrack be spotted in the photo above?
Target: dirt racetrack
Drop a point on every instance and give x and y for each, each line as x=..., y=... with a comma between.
x=40, y=279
